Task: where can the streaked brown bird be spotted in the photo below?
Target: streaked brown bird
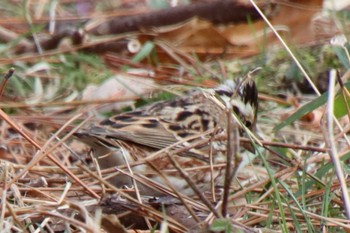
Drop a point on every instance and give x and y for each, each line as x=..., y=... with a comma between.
x=148, y=135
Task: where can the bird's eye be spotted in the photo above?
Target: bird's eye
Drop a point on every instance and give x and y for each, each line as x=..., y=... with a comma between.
x=236, y=110
x=248, y=124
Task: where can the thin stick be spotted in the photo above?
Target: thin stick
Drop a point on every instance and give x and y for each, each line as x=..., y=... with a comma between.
x=7, y=76
x=232, y=153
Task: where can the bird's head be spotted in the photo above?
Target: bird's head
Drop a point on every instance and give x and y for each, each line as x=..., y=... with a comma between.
x=242, y=97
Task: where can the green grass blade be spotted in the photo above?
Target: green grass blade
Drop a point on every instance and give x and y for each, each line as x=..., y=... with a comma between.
x=277, y=196
x=295, y=220
x=145, y=51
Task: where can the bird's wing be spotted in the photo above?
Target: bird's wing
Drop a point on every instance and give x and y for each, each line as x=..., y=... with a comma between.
x=144, y=130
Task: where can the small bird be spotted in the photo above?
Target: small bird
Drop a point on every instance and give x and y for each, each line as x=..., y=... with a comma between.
x=151, y=133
